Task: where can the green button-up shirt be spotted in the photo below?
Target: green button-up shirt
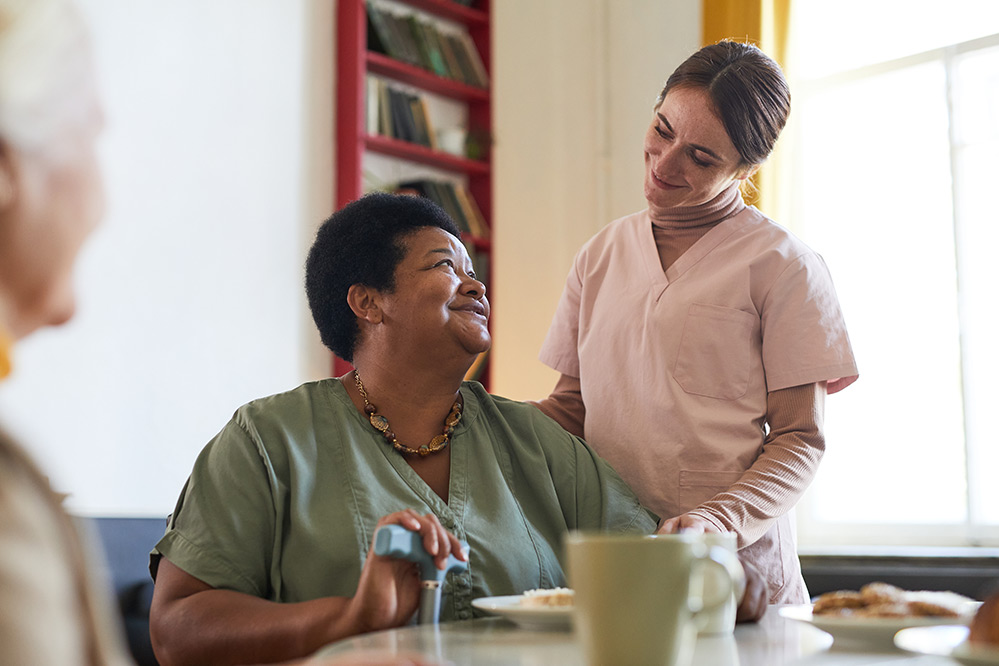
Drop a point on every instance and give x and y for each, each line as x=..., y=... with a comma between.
x=282, y=504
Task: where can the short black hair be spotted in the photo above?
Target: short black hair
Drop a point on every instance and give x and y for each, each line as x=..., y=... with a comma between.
x=362, y=243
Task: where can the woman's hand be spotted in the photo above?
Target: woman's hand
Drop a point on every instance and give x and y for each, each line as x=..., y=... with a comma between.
x=388, y=592
x=753, y=604
x=687, y=523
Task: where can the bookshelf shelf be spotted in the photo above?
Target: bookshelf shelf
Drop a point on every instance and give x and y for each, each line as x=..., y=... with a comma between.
x=421, y=78
x=452, y=10
x=356, y=137
x=423, y=155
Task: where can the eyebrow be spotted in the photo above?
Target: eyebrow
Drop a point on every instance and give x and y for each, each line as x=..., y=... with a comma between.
x=703, y=149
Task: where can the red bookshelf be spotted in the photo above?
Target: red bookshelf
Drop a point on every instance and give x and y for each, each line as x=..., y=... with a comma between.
x=355, y=62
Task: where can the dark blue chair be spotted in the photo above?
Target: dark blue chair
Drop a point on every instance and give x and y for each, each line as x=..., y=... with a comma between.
x=126, y=543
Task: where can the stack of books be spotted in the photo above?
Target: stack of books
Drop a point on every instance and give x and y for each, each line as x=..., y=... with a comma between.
x=422, y=43
x=453, y=198
x=398, y=114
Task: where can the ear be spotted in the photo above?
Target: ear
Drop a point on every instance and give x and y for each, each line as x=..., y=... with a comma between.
x=365, y=302
x=748, y=172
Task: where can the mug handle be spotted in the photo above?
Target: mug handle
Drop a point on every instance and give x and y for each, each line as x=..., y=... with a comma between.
x=716, y=556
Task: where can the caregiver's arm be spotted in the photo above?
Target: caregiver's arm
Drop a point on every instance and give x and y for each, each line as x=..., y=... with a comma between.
x=565, y=405
x=779, y=476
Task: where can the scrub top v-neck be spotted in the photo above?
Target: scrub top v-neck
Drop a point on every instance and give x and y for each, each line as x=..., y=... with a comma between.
x=675, y=366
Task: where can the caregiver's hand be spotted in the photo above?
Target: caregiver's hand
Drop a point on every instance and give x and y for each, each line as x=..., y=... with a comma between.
x=753, y=604
x=687, y=522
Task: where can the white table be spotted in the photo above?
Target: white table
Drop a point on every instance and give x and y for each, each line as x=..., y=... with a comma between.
x=774, y=641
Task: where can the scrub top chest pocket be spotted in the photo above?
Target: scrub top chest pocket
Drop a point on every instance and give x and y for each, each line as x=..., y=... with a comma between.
x=713, y=358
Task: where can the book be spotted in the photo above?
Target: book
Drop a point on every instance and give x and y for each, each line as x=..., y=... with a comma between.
x=402, y=120
x=371, y=105
x=422, y=133
x=380, y=37
x=447, y=46
x=473, y=214
x=384, y=111
x=398, y=115
x=428, y=125
x=434, y=48
x=473, y=61
x=404, y=36
x=438, y=192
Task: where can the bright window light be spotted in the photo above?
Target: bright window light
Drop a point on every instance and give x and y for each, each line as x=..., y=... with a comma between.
x=892, y=147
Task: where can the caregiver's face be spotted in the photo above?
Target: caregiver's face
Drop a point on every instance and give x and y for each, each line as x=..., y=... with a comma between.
x=689, y=157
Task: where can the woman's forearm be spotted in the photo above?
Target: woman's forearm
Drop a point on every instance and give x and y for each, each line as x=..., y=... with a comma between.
x=226, y=627
x=565, y=405
x=192, y=623
x=779, y=476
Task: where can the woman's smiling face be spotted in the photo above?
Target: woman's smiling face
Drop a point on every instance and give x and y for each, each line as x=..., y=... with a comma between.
x=437, y=300
x=689, y=157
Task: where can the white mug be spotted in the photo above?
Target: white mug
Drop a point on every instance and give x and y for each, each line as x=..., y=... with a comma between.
x=635, y=602
x=721, y=619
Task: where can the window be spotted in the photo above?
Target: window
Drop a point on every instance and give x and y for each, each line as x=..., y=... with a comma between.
x=892, y=142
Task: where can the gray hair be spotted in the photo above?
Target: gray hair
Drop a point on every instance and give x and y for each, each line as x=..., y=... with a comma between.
x=46, y=74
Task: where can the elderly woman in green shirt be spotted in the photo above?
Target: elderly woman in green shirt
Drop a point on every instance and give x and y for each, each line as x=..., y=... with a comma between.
x=267, y=555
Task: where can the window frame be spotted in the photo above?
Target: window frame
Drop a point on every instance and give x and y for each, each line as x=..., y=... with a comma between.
x=821, y=536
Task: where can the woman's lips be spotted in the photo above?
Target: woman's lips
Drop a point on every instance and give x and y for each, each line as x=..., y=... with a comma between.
x=662, y=184
x=475, y=308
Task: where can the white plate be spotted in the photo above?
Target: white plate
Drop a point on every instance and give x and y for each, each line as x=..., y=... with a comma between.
x=947, y=641
x=547, y=618
x=870, y=630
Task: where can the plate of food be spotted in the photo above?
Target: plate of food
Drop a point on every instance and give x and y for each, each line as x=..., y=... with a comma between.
x=535, y=609
x=878, y=611
x=974, y=645
x=947, y=641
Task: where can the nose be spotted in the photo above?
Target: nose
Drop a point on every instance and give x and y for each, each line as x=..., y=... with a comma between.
x=666, y=160
x=473, y=287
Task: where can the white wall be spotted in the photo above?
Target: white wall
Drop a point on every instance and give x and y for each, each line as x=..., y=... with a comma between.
x=189, y=295
x=218, y=159
x=575, y=82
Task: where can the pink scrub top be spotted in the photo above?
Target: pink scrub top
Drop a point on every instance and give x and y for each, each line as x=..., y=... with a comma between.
x=675, y=366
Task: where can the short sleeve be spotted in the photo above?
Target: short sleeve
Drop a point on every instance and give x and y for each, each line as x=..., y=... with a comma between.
x=225, y=512
x=560, y=350
x=804, y=333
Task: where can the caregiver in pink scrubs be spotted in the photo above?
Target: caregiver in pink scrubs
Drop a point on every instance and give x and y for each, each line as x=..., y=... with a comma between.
x=697, y=339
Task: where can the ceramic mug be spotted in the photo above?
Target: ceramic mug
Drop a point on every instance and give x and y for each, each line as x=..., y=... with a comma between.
x=638, y=598
x=721, y=619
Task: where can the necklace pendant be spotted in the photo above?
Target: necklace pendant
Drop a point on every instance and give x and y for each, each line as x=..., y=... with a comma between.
x=379, y=422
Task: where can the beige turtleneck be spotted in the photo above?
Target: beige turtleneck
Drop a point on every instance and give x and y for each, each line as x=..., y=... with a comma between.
x=677, y=229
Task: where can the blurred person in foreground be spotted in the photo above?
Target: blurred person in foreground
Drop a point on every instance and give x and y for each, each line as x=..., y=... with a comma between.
x=268, y=553
x=52, y=611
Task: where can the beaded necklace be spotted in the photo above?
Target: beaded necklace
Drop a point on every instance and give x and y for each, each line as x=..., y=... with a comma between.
x=381, y=424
